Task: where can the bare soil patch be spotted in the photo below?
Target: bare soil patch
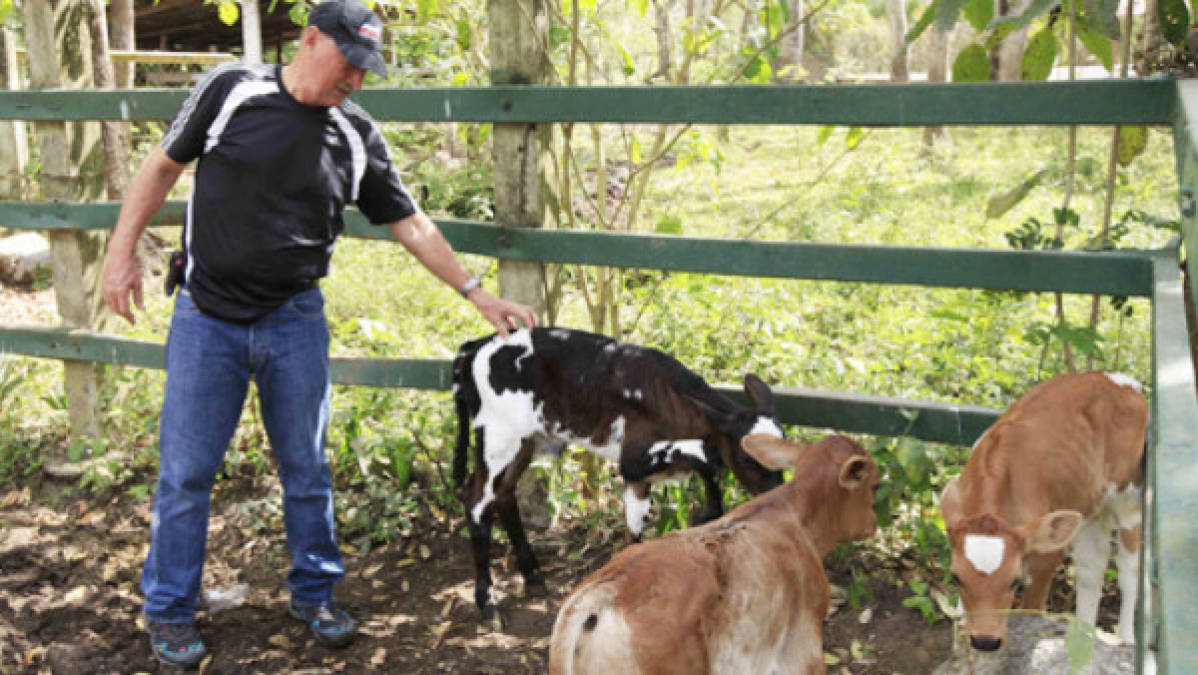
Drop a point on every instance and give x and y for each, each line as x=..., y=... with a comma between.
x=70, y=603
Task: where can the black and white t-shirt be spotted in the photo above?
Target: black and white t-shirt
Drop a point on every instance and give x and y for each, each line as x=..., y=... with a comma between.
x=272, y=179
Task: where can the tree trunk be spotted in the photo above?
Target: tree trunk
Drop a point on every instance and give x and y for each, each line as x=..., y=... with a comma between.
x=70, y=169
x=115, y=133
x=938, y=49
x=123, y=38
x=517, y=29
x=1151, y=40
x=661, y=29
x=1009, y=53
x=790, y=49
x=896, y=15
x=251, y=32
x=14, y=144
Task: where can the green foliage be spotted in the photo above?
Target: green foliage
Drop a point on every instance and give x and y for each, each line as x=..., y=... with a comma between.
x=972, y=65
x=1079, y=643
x=920, y=601
x=1174, y=18
x=1040, y=55
x=1132, y=141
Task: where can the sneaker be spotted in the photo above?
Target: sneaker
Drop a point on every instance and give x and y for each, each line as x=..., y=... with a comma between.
x=331, y=625
x=177, y=644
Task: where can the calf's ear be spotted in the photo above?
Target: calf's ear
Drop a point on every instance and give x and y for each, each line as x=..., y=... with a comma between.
x=853, y=472
x=949, y=502
x=1053, y=531
x=759, y=395
x=772, y=452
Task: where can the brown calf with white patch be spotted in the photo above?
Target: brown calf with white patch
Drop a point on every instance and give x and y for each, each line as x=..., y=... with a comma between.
x=743, y=594
x=1062, y=465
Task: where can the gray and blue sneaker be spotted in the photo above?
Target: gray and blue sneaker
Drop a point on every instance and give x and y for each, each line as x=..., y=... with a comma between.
x=331, y=625
x=177, y=644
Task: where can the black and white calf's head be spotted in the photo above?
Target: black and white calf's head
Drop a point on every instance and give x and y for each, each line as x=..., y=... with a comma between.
x=759, y=418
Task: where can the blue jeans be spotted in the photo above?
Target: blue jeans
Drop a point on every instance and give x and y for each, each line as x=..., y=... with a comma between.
x=209, y=363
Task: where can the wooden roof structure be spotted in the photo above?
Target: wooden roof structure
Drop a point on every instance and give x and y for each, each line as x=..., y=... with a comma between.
x=194, y=26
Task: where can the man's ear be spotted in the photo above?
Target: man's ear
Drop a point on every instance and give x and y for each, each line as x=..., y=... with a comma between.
x=772, y=452
x=1053, y=531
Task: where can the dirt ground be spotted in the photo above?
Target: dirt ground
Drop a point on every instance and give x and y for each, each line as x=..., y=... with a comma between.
x=69, y=600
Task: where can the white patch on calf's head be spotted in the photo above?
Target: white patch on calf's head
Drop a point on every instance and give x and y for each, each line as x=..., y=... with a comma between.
x=559, y=333
x=766, y=425
x=1125, y=381
x=635, y=511
x=984, y=552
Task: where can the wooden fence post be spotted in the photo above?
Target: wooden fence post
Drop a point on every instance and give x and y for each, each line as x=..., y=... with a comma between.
x=65, y=152
x=14, y=146
x=519, y=30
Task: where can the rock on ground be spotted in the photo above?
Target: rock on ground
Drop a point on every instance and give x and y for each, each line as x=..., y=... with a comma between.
x=1036, y=646
x=21, y=255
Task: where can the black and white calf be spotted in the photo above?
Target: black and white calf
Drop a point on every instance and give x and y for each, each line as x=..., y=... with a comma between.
x=633, y=405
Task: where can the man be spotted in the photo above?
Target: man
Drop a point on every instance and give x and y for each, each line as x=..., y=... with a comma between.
x=281, y=152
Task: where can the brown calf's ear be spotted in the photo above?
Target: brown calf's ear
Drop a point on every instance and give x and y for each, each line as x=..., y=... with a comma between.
x=759, y=394
x=949, y=503
x=1053, y=531
x=772, y=452
x=853, y=472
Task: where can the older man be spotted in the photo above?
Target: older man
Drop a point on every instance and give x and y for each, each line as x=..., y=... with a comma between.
x=280, y=153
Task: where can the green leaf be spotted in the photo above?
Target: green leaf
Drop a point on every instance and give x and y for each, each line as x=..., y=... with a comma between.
x=634, y=150
x=464, y=32
x=922, y=24
x=668, y=225
x=1000, y=204
x=1102, y=16
x=947, y=12
x=425, y=9
x=228, y=12
x=1096, y=43
x=979, y=13
x=1040, y=55
x=853, y=138
x=1079, y=644
x=298, y=14
x=1035, y=10
x=6, y=8
x=641, y=6
x=825, y=132
x=1175, y=20
x=949, y=314
x=972, y=65
x=1132, y=141
x=1001, y=29
x=626, y=60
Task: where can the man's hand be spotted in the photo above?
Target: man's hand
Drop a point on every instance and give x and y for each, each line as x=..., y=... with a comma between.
x=122, y=276
x=505, y=315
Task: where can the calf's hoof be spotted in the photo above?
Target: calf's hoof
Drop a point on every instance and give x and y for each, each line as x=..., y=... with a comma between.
x=535, y=588
x=490, y=618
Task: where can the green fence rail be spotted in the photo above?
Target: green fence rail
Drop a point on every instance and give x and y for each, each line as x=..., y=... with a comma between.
x=1167, y=625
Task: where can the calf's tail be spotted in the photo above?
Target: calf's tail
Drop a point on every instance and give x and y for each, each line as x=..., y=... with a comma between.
x=466, y=402
x=590, y=635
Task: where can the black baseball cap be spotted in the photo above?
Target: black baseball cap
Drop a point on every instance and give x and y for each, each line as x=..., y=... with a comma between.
x=355, y=29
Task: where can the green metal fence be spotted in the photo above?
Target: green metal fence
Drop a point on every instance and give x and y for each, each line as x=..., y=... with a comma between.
x=1168, y=626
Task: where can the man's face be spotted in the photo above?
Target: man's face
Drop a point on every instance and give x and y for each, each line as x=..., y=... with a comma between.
x=335, y=77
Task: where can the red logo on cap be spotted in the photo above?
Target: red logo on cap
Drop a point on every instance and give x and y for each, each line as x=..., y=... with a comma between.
x=369, y=32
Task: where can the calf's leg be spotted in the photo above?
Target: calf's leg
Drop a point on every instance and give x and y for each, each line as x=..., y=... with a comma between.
x=1091, y=552
x=509, y=515
x=1127, y=559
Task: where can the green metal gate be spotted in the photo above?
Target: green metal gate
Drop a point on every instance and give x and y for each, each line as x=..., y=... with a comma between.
x=1168, y=625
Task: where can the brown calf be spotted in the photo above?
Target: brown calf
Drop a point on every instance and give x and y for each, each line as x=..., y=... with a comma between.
x=1062, y=465
x=743, y=594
